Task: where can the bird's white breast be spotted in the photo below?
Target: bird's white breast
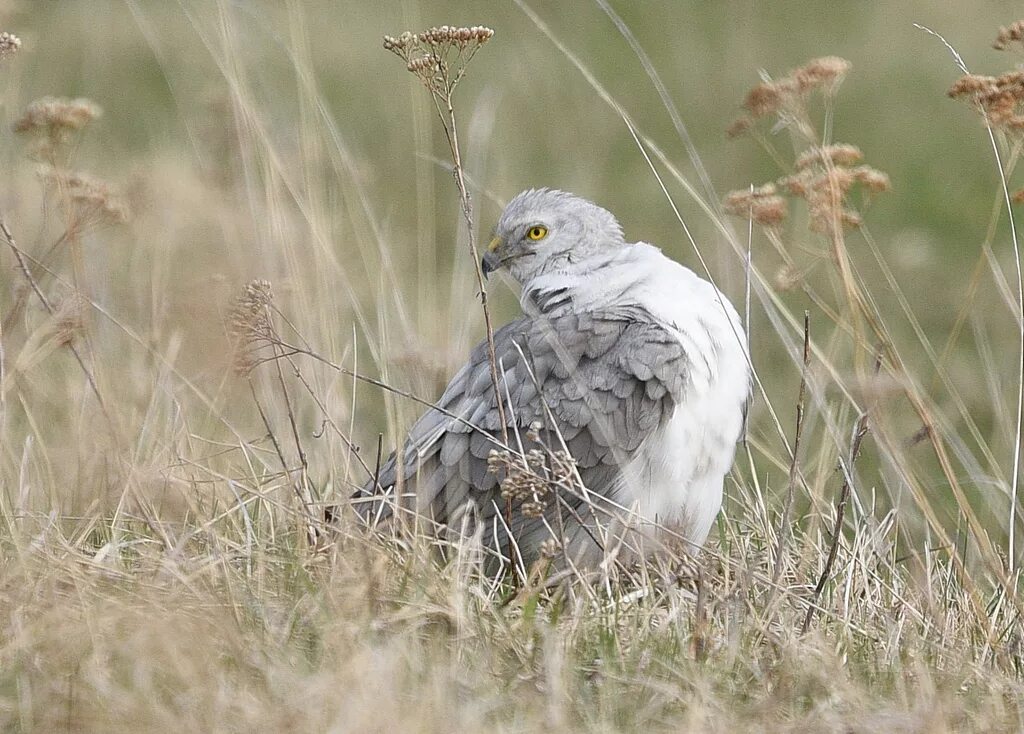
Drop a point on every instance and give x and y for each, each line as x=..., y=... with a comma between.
x=676, y=479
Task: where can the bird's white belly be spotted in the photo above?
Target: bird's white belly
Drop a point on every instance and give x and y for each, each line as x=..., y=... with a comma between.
x=676, y=479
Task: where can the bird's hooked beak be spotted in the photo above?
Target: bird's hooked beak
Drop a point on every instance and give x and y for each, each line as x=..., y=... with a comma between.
x=490, y=261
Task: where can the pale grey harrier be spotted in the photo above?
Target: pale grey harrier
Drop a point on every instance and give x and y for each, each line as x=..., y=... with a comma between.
x=626, y=359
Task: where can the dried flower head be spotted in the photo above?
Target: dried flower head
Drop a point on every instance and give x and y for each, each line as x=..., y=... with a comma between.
x=10, y=44
x=1000, y=100
x=1018, y=196
x=740, y=126
x=1013, y=33
x=824, y=178
x=763, y=205
x=827, y=194
x=840, y=154
x=250, y=325
x=439, y=56
x=70, y=318
x=766, y=98
x=51, y=114
x=825, y=73
x=88, y=201
x=531, y=478
x=787, y=278
x=786, y=97
x=550, y=549
x=52, y=122
x=525, y=484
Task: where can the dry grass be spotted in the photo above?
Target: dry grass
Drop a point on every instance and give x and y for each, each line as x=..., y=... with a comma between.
x=169, y=435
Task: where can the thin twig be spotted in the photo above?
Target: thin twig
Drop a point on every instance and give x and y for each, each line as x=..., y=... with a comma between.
x=794, y=469
x=310, y=529
x=23, y=266
x=376, y=468
x=302, y=484
x=700, y=619
x=837, y=530
x=466, y=203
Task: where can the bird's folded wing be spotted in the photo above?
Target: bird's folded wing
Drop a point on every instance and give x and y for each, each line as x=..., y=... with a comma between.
x=608, y=378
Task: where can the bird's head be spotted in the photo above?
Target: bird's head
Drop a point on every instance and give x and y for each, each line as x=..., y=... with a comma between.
x=544, y=231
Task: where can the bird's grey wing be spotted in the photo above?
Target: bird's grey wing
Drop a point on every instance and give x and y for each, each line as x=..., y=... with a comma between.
x=603, y=380
x=436, y=465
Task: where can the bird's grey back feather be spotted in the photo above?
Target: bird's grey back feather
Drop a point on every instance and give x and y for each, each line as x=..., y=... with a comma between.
x=609, y=377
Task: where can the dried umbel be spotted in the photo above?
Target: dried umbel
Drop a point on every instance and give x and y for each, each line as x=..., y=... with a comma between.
x=439, y=56
x=70, y=318
x=250, y=325
x=824, y=175
x=826, y=185
x=1000, y=99
x=787, y=97
x=550, y=549
x=839, y=154
x=1013, y=33
x=10, y=44
x=57, y=115
x=787, y=277
x=524, y=483
x=762, y=205
x=824, y=179
x=533, y=477
x=52, y=123
x=90, y=202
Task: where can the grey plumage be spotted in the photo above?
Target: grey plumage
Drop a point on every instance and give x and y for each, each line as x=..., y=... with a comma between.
x=609, y=378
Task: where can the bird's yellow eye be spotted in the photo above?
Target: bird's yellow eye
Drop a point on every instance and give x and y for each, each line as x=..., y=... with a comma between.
x=537, y=232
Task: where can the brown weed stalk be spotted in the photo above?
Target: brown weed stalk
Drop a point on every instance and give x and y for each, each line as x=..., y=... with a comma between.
x=826, y=176
x=439, y=58
x=999, y=101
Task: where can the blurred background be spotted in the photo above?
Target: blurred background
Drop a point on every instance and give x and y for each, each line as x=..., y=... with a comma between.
x=278, y=140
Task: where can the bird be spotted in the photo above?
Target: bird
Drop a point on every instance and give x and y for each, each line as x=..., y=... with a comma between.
x=623, y=391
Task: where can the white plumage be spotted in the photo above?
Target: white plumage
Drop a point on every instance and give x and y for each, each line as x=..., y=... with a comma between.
x=676, y=478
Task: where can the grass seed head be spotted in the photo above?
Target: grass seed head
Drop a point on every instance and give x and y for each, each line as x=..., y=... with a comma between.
x=249, y=324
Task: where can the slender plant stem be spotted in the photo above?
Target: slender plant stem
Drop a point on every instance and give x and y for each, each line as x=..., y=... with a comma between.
x=23, y=267
x=837, y=529
x=794, y=466
x=467, y=214
x=452, y=135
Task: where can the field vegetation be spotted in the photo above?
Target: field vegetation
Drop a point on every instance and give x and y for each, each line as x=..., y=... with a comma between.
x=235, y=265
